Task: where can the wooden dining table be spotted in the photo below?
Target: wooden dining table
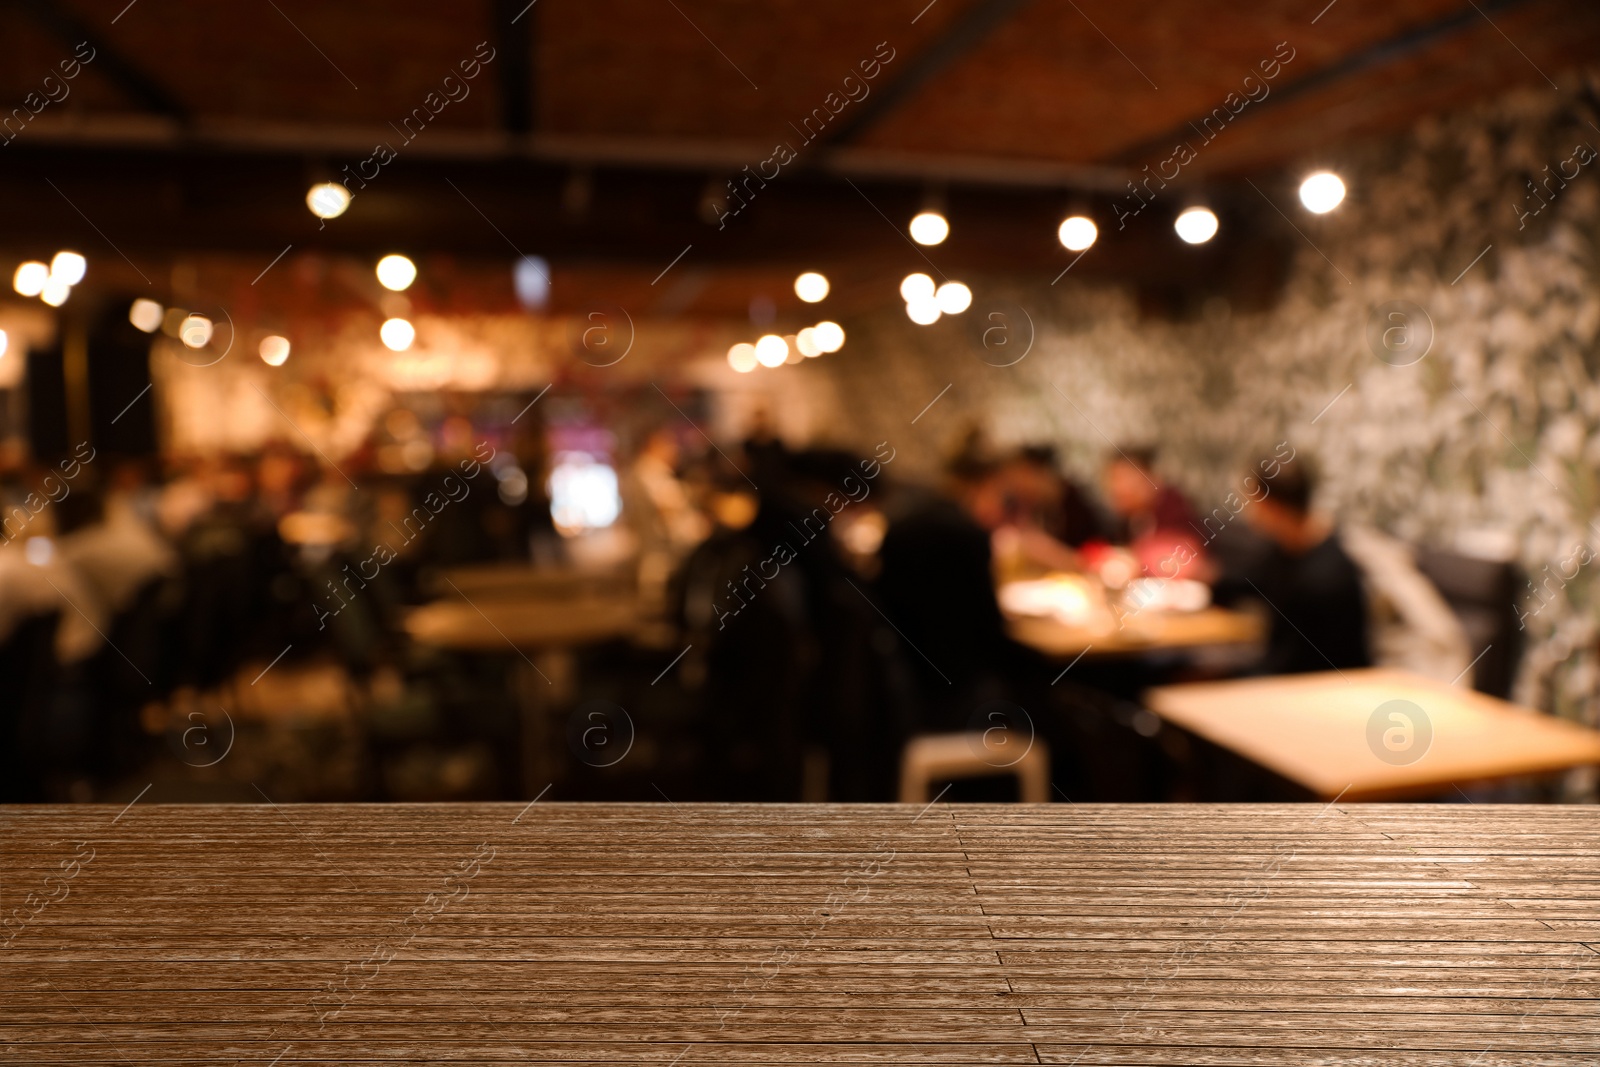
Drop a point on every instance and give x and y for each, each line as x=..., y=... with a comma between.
x=1150, y=631
x=681, y=935
x=539, y=627
x=529, y=624
x=1377, y=733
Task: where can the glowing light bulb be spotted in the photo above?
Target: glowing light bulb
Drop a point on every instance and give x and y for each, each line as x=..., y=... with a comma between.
x=953, y=298
x=397, y=334
x=69, y=267
x=811, y=287
x=1322, y=192
x=916, y=287
x=771, y=350
x=274, y=350
x=328, y=200
x=1196, y=225
x=742, y=357
x=829, y=336
x=929, y=228
x=805, y=342
x=55, y=292
x=146, y=315
x=1077, y=233
x=396, y=272
x=923, y=311
x=4, y=341
x=30, y=278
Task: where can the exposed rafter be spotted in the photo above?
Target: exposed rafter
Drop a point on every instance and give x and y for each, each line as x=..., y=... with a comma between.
x=594, y=152
x=1384, y=52
x=965, y=34
x=514, y=33
x=126, y=75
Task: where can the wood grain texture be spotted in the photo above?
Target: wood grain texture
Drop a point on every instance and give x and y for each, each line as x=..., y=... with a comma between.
x=1422, y=936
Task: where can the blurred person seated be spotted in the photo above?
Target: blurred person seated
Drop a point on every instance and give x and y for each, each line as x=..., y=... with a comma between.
x=128, y=568
x=111, y=546
x=35, y=581
x=743, y=605
x=1152, y=518
x=766, y=456
x=185, y=498
x=1313, y=589
x=1048, y=499
x=233, y=557
x=1011, y=498
x=658, y=508
x=1022, y=531
x=282, y=479
x=824, y=498
x=49, y=626
x=937, y=588
x=34, y=578
x=45, y=606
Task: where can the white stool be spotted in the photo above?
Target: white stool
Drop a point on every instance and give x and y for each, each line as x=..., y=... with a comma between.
x=940, y=757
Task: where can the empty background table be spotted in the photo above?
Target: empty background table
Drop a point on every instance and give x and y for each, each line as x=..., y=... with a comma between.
x=1336, y=733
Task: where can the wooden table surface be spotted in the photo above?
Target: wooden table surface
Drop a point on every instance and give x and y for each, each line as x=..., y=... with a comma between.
x=1317, y=730
x=483, y=624
x=490, y=581
x=1355, y=935
x=1148, y=631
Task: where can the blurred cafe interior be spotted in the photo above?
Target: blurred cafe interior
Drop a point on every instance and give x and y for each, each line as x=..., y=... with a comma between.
x=682, y=402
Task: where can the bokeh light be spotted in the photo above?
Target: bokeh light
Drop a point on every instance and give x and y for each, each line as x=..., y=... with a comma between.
x=953, y=298
x=811, y=287
x=771, y=350
x=274, y=350
x=146, y=315
x=30, y=278
x=1196, y=225
x=328, y=200
x=929, y=228
x=916, y=287
x=1077, y=233
x=70, y=267
x=396, y=272
x=397, y=334
x=1322, y=192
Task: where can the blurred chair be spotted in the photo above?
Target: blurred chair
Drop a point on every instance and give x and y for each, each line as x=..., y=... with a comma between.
x=1109, y=749
x=933, y=758
x=129, y=671
x=28, y=665
x=1483, y=595
x=1410, y=624
x=757, y=657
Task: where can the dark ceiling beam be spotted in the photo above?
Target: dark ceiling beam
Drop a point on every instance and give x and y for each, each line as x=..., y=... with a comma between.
x=513, y=32
x=965, y=34
x=168, y=203
x=1378, y=55
x=142, y=134
x=123, y=73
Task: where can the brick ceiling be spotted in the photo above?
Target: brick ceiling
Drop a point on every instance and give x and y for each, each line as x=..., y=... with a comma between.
x=1057, y=81
x=196, y=125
